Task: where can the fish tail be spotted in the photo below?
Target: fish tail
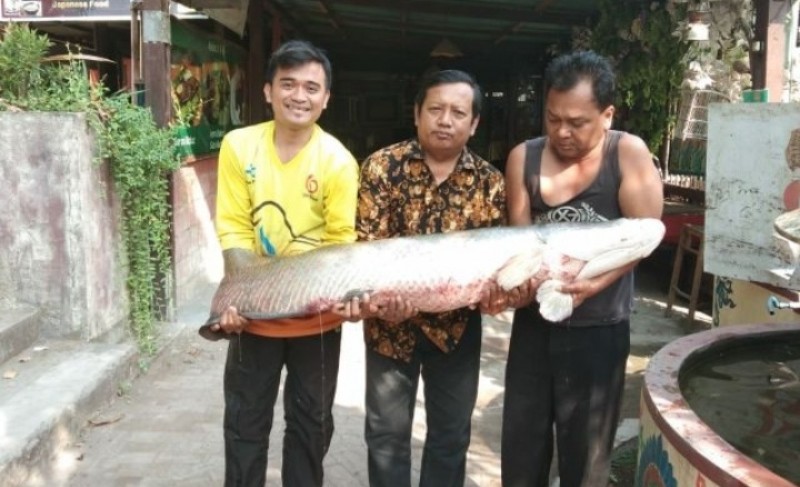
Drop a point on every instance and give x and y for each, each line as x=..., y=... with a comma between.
x=520, y=267
x=206, y=332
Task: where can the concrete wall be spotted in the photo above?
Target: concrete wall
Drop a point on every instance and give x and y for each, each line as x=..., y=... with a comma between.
x=747, y=172
x=59, y=232
x=198, y=258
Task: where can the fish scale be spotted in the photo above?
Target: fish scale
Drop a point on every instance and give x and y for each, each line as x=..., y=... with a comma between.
x=435, y=273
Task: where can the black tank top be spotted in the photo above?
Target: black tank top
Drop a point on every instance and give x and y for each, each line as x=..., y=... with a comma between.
x=598, y=202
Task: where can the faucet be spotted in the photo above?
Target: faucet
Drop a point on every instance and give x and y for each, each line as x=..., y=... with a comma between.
x=774, y=304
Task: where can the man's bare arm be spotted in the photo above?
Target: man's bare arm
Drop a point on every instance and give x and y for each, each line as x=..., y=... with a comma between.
x=519, y=214
x=641, y=194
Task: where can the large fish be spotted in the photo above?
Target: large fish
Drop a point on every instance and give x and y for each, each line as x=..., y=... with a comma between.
x=438, y=272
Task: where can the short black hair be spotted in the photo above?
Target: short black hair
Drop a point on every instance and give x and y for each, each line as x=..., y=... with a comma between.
x=445, y=77
x=295, y=53
x=567, y=70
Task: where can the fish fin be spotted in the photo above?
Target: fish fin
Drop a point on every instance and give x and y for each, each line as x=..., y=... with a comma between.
x=206, y=332
x=607, y=261
x=268, y=316
x=520, y=267
x=648, y=235
x=554, y=305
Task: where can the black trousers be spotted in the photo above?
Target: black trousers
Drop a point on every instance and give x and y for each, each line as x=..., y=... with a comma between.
x=252, y=378
x=451, y=389
x=570, y=377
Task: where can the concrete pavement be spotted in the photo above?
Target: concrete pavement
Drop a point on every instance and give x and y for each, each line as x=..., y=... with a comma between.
x=166, y=429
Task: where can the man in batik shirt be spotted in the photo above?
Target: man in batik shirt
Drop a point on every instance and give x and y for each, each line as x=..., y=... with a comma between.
x=432, y=183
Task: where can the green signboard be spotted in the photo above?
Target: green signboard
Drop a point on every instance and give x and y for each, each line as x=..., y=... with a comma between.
x=208, y=87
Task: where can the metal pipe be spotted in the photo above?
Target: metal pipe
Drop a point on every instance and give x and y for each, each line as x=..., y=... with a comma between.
x=774, y=304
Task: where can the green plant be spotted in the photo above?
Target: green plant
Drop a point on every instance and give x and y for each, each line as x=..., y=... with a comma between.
x=140, y=156
x=638, y=38
x=124, y=388
x=623, y=464
x=722, y=63
x=21, y=53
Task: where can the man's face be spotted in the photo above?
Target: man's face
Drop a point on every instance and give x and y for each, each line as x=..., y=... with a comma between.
x=298, y=95
x=445, y=121
x=575, y=125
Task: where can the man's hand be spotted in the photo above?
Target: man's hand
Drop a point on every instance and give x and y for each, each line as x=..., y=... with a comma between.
x=230, y=322
x=583, y=289
x=493, y=299
x=396, y=310
x=523, y=295
x=359, y=308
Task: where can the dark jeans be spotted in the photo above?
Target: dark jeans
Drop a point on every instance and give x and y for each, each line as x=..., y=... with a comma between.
x=252, y=376
x=451, y=389
x=572, y=377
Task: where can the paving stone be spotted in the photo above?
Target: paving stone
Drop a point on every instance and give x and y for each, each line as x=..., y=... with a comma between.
x=171, y=430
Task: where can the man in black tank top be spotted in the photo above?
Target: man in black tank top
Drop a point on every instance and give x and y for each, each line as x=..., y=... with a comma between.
x=571, y=374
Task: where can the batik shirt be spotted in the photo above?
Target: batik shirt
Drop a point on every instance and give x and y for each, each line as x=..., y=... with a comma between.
x=398, y=197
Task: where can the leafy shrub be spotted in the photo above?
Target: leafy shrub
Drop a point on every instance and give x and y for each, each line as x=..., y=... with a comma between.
x=140, y=155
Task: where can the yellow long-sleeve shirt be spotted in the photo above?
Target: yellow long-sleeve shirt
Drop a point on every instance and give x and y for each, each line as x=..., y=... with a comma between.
x=277, y=208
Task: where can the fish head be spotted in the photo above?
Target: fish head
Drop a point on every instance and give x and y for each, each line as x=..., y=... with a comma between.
x=609, y=245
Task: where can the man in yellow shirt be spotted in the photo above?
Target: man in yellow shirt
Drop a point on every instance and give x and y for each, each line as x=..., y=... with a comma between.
x=284, y=187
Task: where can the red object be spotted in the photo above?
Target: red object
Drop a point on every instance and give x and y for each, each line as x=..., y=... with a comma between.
x=791, y=195
x=675, y=221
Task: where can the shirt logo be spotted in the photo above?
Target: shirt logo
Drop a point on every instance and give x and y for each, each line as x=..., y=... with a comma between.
x=312, y=186
x=571, y=214
x=250, y=173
